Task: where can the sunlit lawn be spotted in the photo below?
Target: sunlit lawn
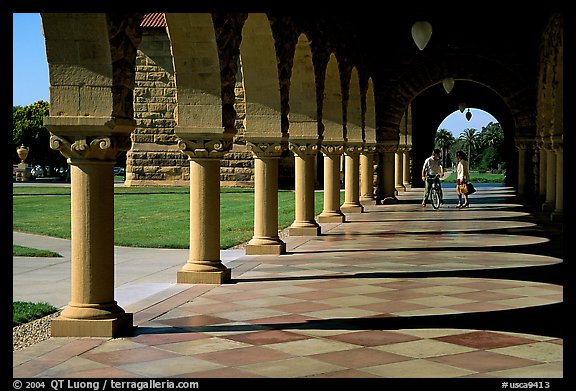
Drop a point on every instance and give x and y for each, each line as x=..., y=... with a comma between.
x=148, y=216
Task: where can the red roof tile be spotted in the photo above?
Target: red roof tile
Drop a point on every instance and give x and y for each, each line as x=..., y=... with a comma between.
x=153, y=20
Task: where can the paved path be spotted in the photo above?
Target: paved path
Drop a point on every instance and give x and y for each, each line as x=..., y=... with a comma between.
x=398, y=291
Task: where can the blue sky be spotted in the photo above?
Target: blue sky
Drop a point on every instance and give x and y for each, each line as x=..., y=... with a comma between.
x=30, y=74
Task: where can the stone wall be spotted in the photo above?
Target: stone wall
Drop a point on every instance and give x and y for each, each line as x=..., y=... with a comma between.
x=154, y=159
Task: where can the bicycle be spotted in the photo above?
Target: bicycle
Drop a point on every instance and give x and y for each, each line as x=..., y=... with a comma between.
x=435, y=190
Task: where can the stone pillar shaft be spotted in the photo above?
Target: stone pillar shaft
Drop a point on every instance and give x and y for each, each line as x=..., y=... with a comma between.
x=406, y=169
x=398, y=171
x=551, y=161
x=331, y=212
x=367, y=178
x=204, y=265
x=352, y=184
x=304, y=223
x=265, y=239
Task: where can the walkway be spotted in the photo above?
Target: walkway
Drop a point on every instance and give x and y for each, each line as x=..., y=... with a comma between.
x=399, y=291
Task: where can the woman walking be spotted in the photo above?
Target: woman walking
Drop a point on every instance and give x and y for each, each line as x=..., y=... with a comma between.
x=462, y=177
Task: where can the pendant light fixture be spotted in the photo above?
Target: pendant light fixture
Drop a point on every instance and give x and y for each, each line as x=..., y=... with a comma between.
x=448, y=84
x=468, y=115
x=421, y=33
x=461, y=106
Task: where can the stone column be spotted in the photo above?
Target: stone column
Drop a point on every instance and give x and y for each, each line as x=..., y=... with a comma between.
x=367, y=176
x=332, y=212
x=266, y=239
x=541, y=173
x=550, y=200
x=304, y=223
x=398, y=171
x=406, y=169
x=387, y=191
x=204, y=265
x=92, y=310
x=558, y=213
x=352, y=181
x=523, y=145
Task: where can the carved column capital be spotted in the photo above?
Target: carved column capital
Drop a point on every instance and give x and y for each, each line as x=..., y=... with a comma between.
x=387, y=146
x=353, y=149
x=90, y=147
x=205, y=148
x=303, y=149
x=266, y=149
x=524, y=143
x=332, y=149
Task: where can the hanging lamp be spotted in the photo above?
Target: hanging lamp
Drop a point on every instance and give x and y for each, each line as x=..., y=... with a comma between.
x=461, y=106
x=468, y=115
x=448, y=84
x=421, y=33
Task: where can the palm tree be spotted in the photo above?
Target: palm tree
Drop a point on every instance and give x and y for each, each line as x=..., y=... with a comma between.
x=470, y=138
x=443, y=140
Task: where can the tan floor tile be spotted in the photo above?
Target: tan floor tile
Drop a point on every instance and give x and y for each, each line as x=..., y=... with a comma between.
x=439, y=301
x=75, y=364
x=252, y=313
x=433, y=333
x=342, y=312
x=542, y=371
x=424, y=348
x=349, y=301
x=311, y=346
x=170, y=367
x=202, y=346
x=294, y=367
x=417, y=369
x=538, y=351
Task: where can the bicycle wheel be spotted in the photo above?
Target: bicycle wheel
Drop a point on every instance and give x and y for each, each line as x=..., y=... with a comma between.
x=435, y=198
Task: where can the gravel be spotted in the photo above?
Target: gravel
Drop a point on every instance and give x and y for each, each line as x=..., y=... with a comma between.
x=30, y=333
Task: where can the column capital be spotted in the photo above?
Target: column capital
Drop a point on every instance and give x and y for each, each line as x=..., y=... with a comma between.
x=354, y=149
x=524, y=143
x=369, y=148
x=266, y=149
x=303, y=149
x=332, y=149
x=90, y=147
x=203, y=148
x=387, y=146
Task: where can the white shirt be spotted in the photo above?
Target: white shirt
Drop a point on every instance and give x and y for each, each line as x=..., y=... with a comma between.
x=431, y=166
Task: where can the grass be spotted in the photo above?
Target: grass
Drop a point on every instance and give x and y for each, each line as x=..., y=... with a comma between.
x=24, y=312
x=477, y=177
x=21, y=251
x=156, y=217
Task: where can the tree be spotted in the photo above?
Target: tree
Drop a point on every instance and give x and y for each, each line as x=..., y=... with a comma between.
x=470, y=139
x=28, y=129
x=491, y=140
x=443, y=140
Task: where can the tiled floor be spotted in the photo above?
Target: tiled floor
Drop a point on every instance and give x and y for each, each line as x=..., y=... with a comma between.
x=399, y=291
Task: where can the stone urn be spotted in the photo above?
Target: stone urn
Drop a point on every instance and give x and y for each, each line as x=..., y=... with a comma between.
x=22, y=153
x=22, y=171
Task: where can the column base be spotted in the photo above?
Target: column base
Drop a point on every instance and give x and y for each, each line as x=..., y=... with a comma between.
x=304, y=231
x=266, y=249
x=331, y=217
x=352, y=208
x=400, y=188
x=557, y=216
x=548, y=206
x=202, y=277
x=367, y=200
x=120, y=326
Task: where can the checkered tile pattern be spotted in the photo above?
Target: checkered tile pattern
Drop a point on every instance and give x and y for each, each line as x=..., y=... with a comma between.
x=355, y=302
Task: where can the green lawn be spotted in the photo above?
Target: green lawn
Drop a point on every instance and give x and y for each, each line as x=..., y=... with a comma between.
x=149, y=216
